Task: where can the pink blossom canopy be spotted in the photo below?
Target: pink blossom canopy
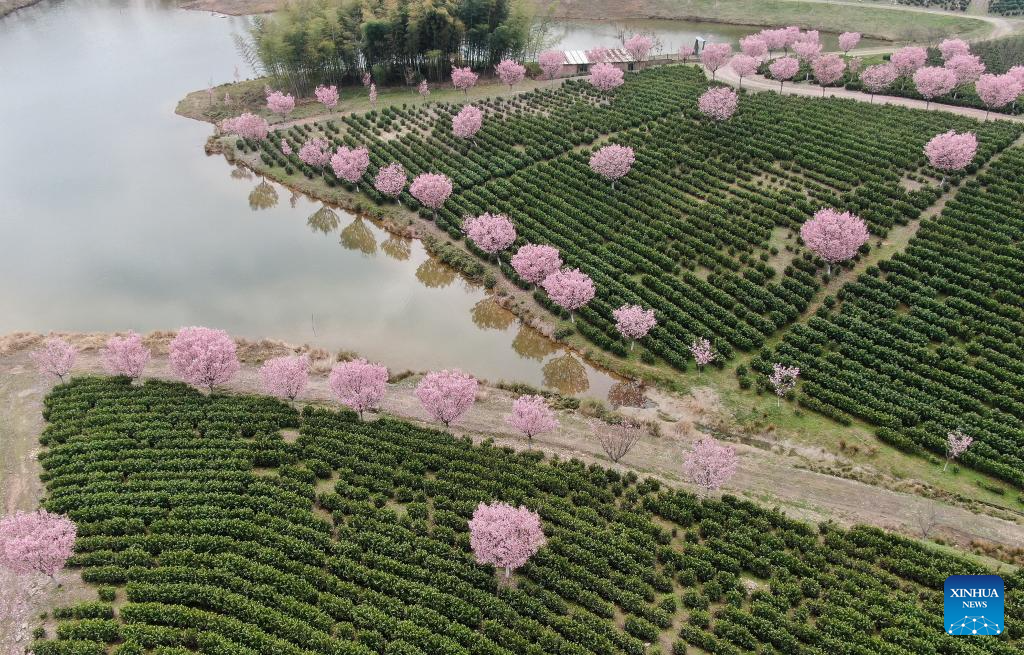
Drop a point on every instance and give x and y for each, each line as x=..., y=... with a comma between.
x=848, y=41
x=715, y=55
x=828, y=69
x=569, y=288
x=463, y=78
x=957, y=443
x=56, y=357
x=285, y=377
x=316, y=152
x=909, y=59
x=467, y=122
x=510, y=72
x=775, y=39
x=783, y=378
x=280, y=103
x=951, y=151
x=550, y=62
x=639, y=46
x=446, y=395
x=950, y=48
x=966, y=68
x=505, y=536
x=997, y=90
x=685, y=51
x=743, y=65
x=431, y=189
x=36, y=542
x=784, y=68
x=491, y=233
x=359, y=384
x=719, y=103
x=247, y=126
x=327, y=95
x=754, y=46
x=203, y=357
x=702, y=352
x=605, y=77
x=710, y=464
x=612, y=161
x=834, y=236
x=807, y=50
x=423, y=89
x=350, y=163
x=286, y=148
x=878, y=77
x=597, y=55
x=372, y=95
x=934, y=81
x=125, y=355
x=390, y=179
x=532, y=416
x=535, y=262
x=633, y=321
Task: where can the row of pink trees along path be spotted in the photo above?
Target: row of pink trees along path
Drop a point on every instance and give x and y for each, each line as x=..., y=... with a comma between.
x=122, y=355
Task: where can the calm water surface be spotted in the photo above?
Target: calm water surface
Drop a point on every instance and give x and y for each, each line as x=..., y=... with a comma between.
x=112, y=217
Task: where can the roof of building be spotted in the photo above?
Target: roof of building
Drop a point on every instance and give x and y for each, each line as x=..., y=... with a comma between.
x=614, y=56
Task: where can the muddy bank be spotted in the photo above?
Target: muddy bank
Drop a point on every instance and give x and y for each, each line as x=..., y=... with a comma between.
x=234, y=7
x=7, y=6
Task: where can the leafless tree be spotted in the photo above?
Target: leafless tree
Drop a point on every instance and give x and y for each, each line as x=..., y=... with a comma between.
x=618, y=439
x=926, y=517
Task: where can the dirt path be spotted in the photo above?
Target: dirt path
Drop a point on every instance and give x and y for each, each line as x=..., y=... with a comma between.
x=1001, y=25
x=772, y=471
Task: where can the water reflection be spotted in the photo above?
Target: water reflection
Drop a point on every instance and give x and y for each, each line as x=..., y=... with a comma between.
x=264, y=196
x=531, y=344
x=323, y=220
x=435, y=275
x=489, y=315
x=240, y=172
x=398, y=248
x=628, y=393
x=566, y=375
x=358, y=237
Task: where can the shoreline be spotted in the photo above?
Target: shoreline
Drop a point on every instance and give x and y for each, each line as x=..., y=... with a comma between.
x=11, y=6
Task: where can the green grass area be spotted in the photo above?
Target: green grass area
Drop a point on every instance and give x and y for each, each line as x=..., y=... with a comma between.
x=871, y=19
x=224, y=538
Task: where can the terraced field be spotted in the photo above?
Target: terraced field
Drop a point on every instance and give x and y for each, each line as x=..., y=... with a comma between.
x=222, y=536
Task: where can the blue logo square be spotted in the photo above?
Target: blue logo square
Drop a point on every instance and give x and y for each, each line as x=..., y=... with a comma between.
x=974, y=605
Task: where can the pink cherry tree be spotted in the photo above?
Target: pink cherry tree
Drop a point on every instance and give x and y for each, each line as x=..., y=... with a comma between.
x=535, y=262
x=848, y=41
x=467, y=122
x=634, y=322
x=56, y=357
x=372, y=95
x=504, y=536
x=391, y=180
x=491, y=233
x=775, y=39
x=744, y=66
x=350, y=163
x=950, y=152
x=315, y=153
x=807, y=51
x=550, y=62
x=510, y=72
x=604, y=77
x=950, y=48
x=957, y=444
x=203, y=357
x=834, y=236
x=966, y=69
x=702, y=353
x=714, y=56
x=464, y=79
x=247, y=126
x=718, y=104
x=285, y=377
x=685, y=52
x=612, y=162
x=783, y=380
x=754, y=46
x=358, y=384
x=570, y=289
x=424, y=90
x=907, y=60
x=125, y=356
x=532, y=416
x=933, y=81
x=710, y=464
x=639, y=46
x=431, y=190
x=280, y=103
x=327, y=96
x=878, y=78
x=286, y=148
x=828, y=69
x=996, y=91
x=784, y=68
x=447, y=395
x=36, y=542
